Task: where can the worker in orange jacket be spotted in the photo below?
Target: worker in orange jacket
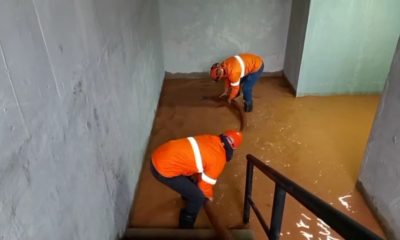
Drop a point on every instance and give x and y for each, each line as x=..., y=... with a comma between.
x=175, y=161
x=239, y=70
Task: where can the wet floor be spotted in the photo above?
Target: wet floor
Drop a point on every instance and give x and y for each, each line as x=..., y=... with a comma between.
x=318, y=142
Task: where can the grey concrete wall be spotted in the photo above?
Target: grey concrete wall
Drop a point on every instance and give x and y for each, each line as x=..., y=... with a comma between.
x=79, y=85
x=295, y=40
x=380, y=173
x=197, y=33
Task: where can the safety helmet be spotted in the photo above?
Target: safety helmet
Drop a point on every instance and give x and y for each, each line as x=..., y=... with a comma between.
x=216, y=71
x=235, y=138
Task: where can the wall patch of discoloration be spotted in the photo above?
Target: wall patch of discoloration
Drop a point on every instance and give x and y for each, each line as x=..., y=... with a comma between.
x=72, y=142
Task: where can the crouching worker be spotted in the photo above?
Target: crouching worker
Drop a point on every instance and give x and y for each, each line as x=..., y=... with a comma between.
x=239, y=71
x=205, y=155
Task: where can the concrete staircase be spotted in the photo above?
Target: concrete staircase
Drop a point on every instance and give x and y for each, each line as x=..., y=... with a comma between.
x=219, y=231
x=172, y=234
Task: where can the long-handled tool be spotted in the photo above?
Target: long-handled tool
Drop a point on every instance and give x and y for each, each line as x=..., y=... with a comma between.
x=234, y=106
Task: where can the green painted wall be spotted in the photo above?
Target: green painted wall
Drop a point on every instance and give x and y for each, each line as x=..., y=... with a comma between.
x=349, y=46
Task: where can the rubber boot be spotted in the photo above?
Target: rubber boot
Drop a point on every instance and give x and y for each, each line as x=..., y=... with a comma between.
x=186, y=220
x=248, y=106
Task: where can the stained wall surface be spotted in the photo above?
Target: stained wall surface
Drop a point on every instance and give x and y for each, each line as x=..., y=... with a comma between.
x=349, y=46
x=380, y=174
x=198, y=33
x=79, y=84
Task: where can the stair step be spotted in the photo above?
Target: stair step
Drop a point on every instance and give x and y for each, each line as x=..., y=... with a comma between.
x=170, y=234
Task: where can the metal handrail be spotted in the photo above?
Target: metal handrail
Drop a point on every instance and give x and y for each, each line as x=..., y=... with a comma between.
x=342, y=224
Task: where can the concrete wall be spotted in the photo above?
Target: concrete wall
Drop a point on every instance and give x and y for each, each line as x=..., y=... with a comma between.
x=295, y=40
x=349, y=46
x=380, y=173
x=197, y=33
x=79, y=84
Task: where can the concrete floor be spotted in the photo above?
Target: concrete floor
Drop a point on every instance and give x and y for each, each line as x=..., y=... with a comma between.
x=318, y=142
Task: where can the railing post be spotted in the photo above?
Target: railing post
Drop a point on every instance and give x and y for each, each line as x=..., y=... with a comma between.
x=277, y=212
x=248, y=190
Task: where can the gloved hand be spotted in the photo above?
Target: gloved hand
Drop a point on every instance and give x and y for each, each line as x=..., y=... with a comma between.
x=223, y=95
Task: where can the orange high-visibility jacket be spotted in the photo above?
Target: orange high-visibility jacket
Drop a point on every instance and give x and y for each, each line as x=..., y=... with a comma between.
x=202, y=154
x=237, y=67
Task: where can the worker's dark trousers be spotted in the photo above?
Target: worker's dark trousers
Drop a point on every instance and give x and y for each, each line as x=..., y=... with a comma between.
x=248, y=82
x=191, y=193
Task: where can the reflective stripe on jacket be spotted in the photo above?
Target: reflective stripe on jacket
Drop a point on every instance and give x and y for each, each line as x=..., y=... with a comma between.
x=203, y=154
x=237, y=67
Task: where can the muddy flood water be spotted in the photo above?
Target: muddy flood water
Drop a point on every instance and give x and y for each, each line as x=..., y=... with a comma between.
x=318, y=142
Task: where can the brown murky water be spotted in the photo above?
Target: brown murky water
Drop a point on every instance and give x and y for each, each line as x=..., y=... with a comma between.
x=318, y=142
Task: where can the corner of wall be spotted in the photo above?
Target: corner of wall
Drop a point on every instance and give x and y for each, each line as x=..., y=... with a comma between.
x=372, y=206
